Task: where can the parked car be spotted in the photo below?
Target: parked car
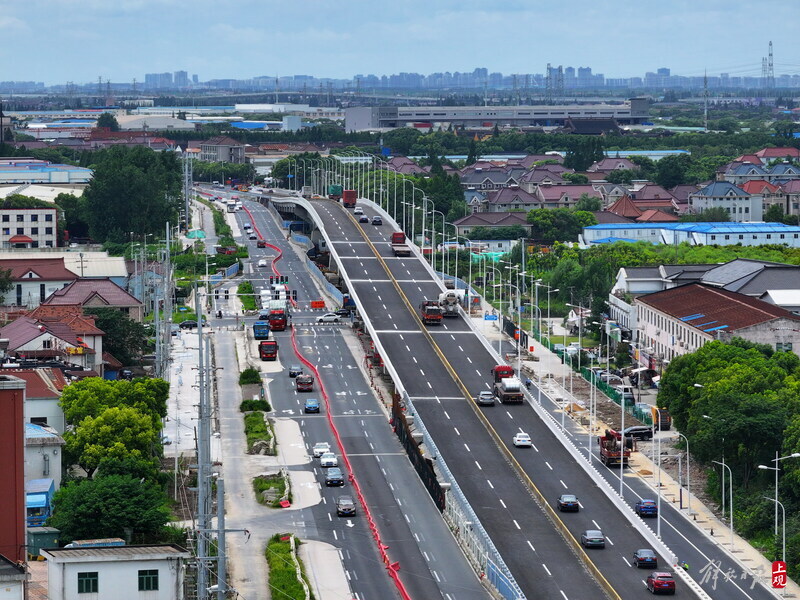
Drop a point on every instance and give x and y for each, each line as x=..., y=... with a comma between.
x=593, y=538
x=174, y=329
x=334, y=476
x=363, y=219
x=311, y=405
x=295, y=370
x=639, y=432
x=646, y=508
x=188, y=324
x=660, y=582
x=345, y=506
x=376, y=220
x=328, y=318
x=484, y=398
x=343, y=312
x=328, y=459
x=358, y=210
x=320, y=448
x=645, y=557
x=568, y=503
x=522, y=440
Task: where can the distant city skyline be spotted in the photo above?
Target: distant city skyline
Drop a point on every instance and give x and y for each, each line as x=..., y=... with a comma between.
x=55, y=41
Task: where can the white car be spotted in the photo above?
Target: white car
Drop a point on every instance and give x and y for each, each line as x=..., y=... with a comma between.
x=358, y=210
x=321, y=448
x=329, y=318
x=522, y=440
x=262, y=263
x=328, y=459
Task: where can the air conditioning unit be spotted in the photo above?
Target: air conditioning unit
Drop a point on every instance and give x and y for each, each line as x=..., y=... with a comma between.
x=658, y=332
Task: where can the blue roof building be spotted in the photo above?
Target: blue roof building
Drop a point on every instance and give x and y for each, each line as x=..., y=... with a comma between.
x=696, y=234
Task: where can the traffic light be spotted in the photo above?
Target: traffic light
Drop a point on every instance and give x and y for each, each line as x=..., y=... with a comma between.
x=294, y=295
x=227, y=293
x=271, y=279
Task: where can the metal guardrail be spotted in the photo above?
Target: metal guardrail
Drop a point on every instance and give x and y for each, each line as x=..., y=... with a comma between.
x=332, y=289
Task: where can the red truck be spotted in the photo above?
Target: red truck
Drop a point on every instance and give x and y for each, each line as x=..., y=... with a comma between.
x=430, y=312
x=501, y=372
x=268, y=350
x=612, y=451
x=277, y=320
x=399, y=245
x=349, y=198
x=304, y=383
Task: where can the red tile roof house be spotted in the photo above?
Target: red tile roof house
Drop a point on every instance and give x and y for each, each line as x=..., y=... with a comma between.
x=33, y=338
x=34, y=280
x=564, y=196
x=791, y=193
x=97, y=293
x=767, y=155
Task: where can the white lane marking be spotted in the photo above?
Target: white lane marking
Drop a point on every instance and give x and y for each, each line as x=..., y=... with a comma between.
x=516, y=524
x=469, y=360
x=436, y=576
x=414, y=358
x=445, y=414
x=564, y=484
x=544, y=566
x=531, y=545
x=456, y=430
x=477, y=464
x=460, y=348
x=595, y=524
x=548, y=465
x=503, y=504
x=425, y=554
x=490, y=483
x=467, y=447
x=509, y=415
x=609, y=540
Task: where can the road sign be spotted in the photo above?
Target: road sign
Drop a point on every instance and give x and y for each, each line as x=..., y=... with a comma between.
x=778, y=574
x=490, y=317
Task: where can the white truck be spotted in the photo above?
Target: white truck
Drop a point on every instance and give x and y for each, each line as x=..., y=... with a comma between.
x=509, y=390
x=449, y=301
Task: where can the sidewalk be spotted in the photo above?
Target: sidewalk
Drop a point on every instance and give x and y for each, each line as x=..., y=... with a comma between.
x=552, y=372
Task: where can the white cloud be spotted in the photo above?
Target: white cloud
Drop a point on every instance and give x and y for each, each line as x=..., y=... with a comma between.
x=13, y=24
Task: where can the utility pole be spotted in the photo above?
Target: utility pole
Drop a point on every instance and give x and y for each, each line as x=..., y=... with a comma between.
x=705, y=101
x=187, y=186
x=222, y=558
x=203, y=459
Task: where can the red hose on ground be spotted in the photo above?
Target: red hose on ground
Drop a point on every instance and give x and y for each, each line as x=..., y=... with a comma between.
x=273, y=247
x=392, y=568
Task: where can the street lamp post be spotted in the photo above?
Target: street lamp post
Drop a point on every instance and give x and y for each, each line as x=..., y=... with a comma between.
x=783, y=512
x=777, y=468
x=519, y=363
x=730, y=493
x=688, y=476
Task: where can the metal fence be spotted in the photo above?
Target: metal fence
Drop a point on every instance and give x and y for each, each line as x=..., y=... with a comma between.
x=331, y=289
x=465, y=524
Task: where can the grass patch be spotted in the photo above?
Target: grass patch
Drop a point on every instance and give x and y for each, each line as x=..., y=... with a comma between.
x=247, y=295
x=251, y=404
x=250, y=376
x=256, y=429
x=282, y=574
x=263, y=483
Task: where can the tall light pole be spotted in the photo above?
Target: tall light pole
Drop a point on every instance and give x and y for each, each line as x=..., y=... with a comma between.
x=730, y=486
x=783, y=511
x=777, y=468
x=688, y=475
x=519, y=361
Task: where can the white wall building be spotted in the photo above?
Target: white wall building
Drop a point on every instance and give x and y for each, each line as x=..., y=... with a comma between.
x=28, y=227
x=119, y=572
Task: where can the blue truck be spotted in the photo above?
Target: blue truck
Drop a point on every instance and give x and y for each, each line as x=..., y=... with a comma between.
x=261, y=330
x=39, y=501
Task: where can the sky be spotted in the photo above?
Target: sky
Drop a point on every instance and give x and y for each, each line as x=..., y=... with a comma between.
x=56, y=41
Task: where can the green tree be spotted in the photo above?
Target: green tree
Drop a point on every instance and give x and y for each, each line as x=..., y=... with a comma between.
x=558, y=224
x=621, y=176
x=133, y=190
x=774, y=214
x=671, y=170
x=590, y=203
x=513, y=232
x=401, y=140
x=583, y=151
x=472, y=155
x=118, y=432
x=74, y=219
x=107, y=507
x=716, y=214
x=576, y=178
x=93, y=395
x=125, y=338
x=108, y=121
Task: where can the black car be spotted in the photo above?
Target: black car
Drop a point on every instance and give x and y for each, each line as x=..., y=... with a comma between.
x=639, y=432
x=295, y=370
x=593, y=538
x=334, y=476
x=645, y=557
x=363, y=219
x=345, y=506
x=188, y=324
x=568, y=503
x=343, y=312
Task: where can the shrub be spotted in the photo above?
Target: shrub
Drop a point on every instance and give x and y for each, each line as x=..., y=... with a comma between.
x=252, y=404
x=282, y=575
x=250, y=376
x=256, y=429
x=265, y=482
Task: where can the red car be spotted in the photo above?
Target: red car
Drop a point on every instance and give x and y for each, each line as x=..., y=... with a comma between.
x=659, y=582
